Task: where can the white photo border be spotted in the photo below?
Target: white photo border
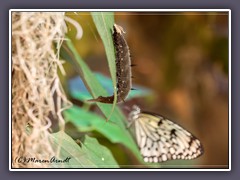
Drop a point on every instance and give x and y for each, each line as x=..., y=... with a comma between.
x=118, y=10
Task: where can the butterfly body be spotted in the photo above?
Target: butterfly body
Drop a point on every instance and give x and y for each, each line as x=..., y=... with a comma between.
x=160, y=139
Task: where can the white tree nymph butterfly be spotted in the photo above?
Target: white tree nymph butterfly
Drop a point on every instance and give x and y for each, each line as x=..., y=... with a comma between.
x=160, y=139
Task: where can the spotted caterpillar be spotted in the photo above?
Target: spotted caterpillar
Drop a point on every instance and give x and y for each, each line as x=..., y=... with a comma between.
x=123, y=68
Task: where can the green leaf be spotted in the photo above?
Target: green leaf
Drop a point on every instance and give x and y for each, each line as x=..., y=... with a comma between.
x=86, y=156
x=85, y=121
x=94, y=87
x=104, y=22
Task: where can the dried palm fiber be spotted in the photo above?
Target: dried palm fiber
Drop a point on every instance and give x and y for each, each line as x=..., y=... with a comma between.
x=36, y=91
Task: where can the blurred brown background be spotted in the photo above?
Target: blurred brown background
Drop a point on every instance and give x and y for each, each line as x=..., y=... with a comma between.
x=183, y=58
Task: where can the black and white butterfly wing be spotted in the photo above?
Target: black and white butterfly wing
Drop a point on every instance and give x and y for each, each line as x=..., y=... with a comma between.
x=159, y=139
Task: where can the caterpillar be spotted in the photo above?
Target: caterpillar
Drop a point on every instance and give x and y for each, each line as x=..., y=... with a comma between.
x=123, y=68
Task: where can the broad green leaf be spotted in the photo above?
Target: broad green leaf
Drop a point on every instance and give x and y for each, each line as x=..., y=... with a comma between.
x=104, y=23
x=98, y=153
x=95, y=88
x=84, y=156
x=85, y=121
